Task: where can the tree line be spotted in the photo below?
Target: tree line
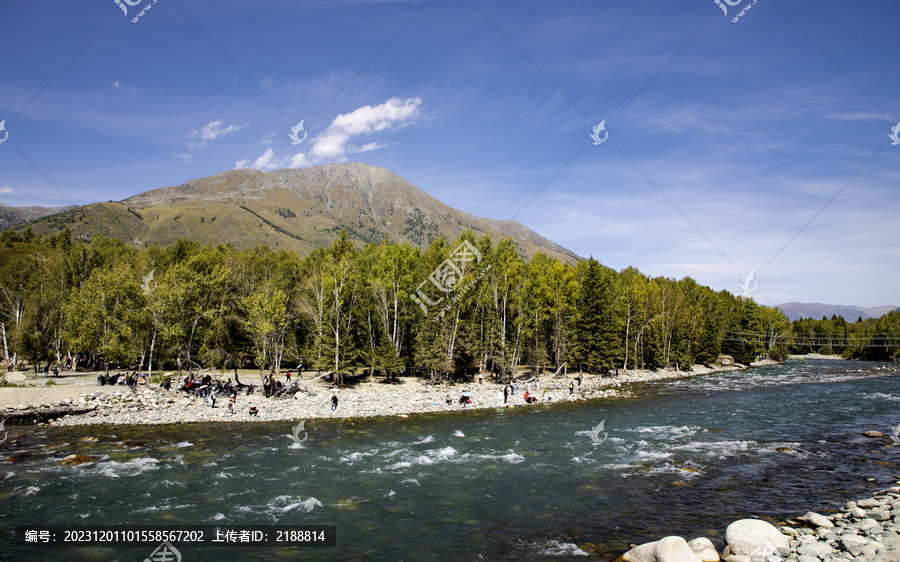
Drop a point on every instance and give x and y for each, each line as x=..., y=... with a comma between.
x=873, y=339
x=442, y=311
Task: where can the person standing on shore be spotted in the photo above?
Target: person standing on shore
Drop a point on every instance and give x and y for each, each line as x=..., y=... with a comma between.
x=571, y=388
x=231, y=403
x=334, y=402
x=505, y=393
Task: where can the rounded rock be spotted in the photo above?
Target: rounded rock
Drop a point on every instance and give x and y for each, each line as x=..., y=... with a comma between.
x=705, y=549
x=754, y=537
x=675, y=549
x=814, y=518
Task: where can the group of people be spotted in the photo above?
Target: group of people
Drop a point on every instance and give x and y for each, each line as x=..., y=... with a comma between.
x=509, y=389
x=209, y=389
x=133, y=379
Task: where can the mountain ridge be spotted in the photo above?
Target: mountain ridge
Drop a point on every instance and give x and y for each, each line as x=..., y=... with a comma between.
x=797, y=310
x=293, y=209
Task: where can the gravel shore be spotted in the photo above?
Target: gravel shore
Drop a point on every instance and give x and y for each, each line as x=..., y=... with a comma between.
x=867, y=530
x=153, y=405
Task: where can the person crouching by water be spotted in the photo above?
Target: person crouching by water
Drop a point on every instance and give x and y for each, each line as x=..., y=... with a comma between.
x=253, y=410
x=334, y=402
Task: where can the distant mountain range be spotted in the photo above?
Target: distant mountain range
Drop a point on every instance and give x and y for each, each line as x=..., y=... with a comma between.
x=11, y=217
x=289, y=209
x=815, y=310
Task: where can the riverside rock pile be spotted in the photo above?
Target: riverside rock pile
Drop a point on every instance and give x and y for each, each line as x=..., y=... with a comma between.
x=864, y=531
x=153, y=405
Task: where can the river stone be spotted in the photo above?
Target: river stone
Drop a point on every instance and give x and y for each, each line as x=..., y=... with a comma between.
x=22, y=407
x=15, y=377
x=642, y=553
x=814, y=518
x=868, y=503
x=869, y=551
x=867, y=524
x=77, y=459
x=853, y=541
x=817, y=549
x=807, y=558
x=754, y=537
x=675, y=549
x=873, y=434
x=858, y=513
x=705, y=549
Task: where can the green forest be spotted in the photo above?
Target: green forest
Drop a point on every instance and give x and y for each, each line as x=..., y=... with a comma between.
x=442, y=312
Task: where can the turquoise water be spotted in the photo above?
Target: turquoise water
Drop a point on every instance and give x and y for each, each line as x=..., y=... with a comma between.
x=681, y=457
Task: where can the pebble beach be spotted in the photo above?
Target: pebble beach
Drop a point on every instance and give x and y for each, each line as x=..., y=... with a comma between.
x=78, y=400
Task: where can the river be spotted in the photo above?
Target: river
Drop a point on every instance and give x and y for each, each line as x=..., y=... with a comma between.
x=684, y=456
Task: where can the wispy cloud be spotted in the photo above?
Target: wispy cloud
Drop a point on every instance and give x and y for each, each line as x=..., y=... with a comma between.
x=210, y=132
x=339, y=138
x=263, y=162
x=7, y=191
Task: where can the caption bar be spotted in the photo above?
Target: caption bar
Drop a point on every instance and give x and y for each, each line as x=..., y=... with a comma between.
x=186, y=535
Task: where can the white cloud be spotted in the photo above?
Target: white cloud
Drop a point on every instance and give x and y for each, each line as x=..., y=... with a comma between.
x=260, y=163
x=210, y=132
x=337, y=141
x=7, y=191
x=116, y=84
x=186, y=156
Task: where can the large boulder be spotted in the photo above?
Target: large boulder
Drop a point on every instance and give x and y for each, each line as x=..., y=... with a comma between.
x=15, y=377
x=642, y=553
x=675, y=549
x=753, y=537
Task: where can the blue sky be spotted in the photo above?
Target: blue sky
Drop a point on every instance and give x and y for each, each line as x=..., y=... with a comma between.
x=761, y=144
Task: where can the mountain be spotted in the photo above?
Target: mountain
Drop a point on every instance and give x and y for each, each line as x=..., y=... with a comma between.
x=815, y=310
x=14, y=216
x=289, y=209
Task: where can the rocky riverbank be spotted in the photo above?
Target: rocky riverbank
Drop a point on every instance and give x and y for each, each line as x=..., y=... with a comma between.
x=863, y=531
x=154, y=405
